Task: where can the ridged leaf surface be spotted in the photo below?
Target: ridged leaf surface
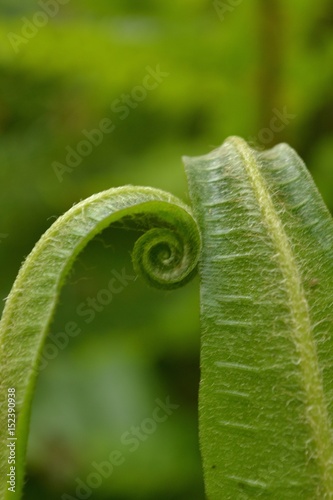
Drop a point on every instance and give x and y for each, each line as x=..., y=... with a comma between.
x=266, y=395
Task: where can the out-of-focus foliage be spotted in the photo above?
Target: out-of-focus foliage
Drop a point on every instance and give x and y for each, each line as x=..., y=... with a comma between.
x=262, y=70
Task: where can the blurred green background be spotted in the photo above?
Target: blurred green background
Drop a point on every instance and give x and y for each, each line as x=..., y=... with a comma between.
x=260, y=69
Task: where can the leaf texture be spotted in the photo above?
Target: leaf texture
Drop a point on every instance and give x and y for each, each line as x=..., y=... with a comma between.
x=266, y=394
x=166, y=255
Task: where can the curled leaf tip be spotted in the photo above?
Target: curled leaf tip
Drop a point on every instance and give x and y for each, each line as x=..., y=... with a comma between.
x=167, y=258
x=166, y=255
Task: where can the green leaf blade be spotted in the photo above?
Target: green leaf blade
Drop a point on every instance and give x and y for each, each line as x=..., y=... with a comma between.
x=266, y=297
x=169, y=249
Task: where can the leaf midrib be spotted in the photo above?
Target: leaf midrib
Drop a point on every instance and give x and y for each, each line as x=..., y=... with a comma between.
x=301, y=330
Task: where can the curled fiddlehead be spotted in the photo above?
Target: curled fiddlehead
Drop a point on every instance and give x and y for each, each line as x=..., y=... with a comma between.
x=166, y=255
x=266, y=271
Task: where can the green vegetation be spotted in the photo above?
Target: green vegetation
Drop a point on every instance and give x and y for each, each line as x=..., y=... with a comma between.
x=266, y=292
x=265, y=398
x=260, y=70
x=166, y=255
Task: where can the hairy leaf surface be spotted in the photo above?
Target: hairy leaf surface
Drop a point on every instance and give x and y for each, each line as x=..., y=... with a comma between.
x=266, y=268
x=165, y=255
x=266, y=395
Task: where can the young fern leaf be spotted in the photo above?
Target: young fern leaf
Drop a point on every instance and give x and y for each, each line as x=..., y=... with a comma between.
x=166, y=255
x=266, y=269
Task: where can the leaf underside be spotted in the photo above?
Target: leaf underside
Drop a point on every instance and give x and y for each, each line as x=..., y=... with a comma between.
x=266, y=394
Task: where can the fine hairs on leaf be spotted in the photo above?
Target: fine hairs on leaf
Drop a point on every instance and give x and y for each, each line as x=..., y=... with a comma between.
x=262, y=240
x=266, y=395
x=166, y=255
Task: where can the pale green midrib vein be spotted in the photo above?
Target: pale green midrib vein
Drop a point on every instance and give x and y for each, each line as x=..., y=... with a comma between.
x=317, y=413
